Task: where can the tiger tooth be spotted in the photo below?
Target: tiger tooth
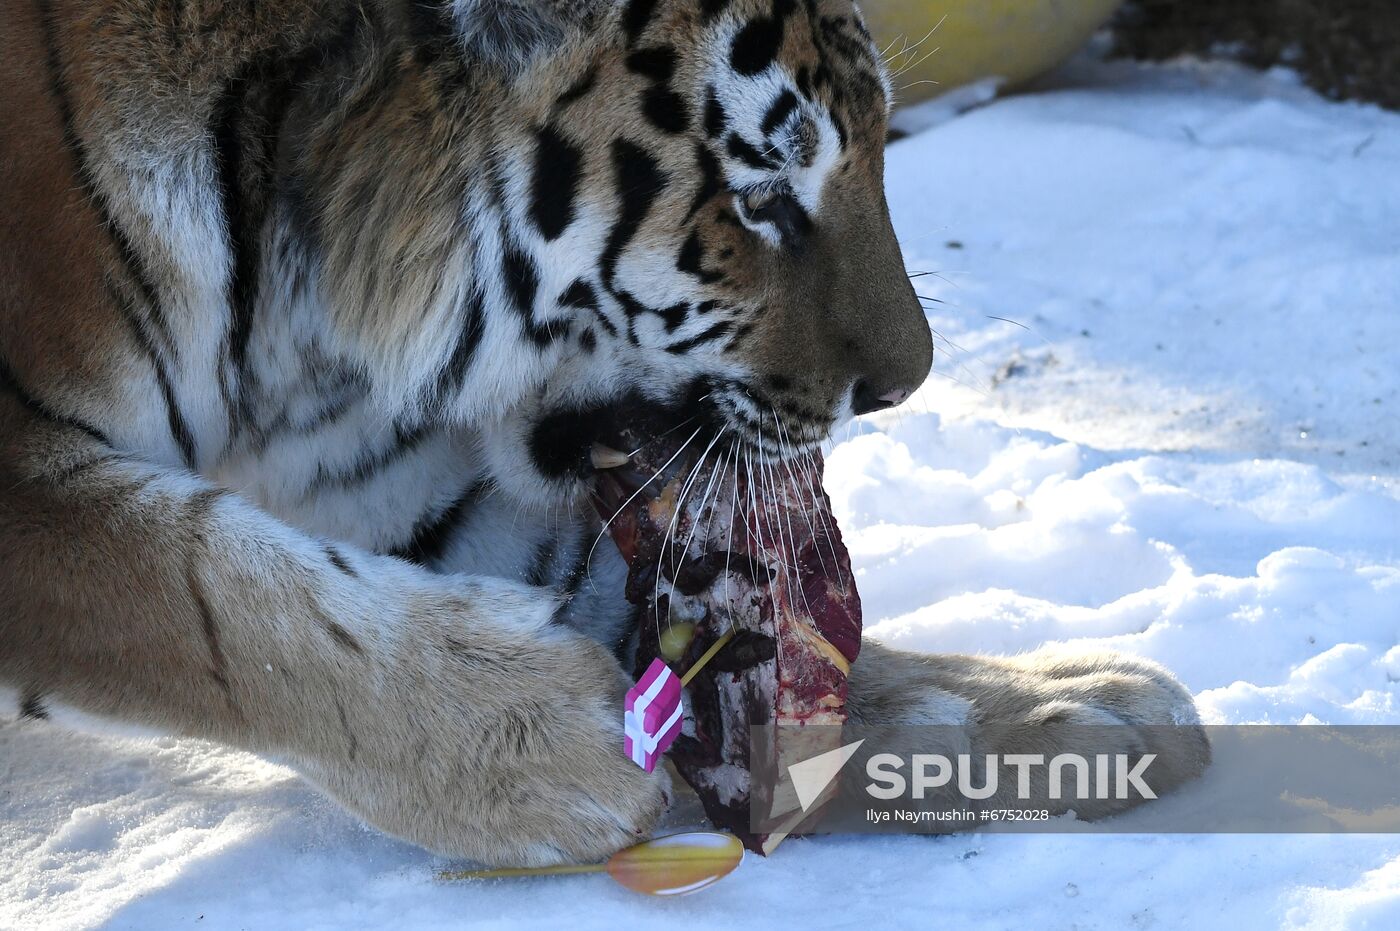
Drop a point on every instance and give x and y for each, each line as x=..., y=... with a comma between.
x=605, y=457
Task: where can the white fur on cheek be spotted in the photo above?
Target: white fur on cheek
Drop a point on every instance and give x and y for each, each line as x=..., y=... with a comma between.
x=808, y=182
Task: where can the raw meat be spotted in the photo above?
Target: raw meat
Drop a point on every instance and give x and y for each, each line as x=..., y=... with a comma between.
x=727, y=541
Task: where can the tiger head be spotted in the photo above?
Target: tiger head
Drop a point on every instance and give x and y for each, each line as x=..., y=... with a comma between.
x=693, y=211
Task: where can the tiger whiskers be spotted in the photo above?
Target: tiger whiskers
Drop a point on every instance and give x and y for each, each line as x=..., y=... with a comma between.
x=793, y=476
x=695, y=520
x=655, y=475
x=913, y=61
x=811, y=477
x=791, y=549
x=769, y=489
x=667, y=539
x=734, y=508
x=888, y=60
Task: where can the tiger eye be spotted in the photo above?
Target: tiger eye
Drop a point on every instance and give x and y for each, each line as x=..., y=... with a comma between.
x=757, y=200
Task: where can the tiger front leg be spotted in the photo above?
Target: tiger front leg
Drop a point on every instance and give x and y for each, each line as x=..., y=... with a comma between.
x=488, y=731
x=447, y=710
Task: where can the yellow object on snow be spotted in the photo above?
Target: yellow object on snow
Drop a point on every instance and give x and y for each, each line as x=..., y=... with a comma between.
x=958, y=42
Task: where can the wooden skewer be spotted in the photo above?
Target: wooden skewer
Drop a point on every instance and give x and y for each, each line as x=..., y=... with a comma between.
x=561, y=870
x=707, y=656
x=677, y=864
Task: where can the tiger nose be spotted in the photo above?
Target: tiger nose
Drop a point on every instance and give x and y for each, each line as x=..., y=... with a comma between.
x=867, y=397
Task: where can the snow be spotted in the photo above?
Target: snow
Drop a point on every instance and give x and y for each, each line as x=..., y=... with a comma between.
x=1185, y=446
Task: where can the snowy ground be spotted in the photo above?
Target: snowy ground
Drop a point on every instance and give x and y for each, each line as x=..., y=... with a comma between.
x=1186, y=446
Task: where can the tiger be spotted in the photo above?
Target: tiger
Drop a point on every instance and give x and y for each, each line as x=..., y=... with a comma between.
x=308, y=314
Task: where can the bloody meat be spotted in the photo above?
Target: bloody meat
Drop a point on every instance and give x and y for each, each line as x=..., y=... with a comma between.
x=724, y=541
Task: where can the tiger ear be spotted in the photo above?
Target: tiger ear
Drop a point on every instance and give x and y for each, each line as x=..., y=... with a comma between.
x=509, y=34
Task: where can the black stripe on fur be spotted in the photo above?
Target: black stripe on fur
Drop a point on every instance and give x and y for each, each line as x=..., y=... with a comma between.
x=538, y=573
x=554, y=182
x=432, y=534
x=636, y=17
x=522, y=280
x=639, y=180
x=175, y=417
x=218, y=663
x=454, y=373
x=406, y=440
x=708, y=335
x=740, y=148
x=337, y=559
x=239, y=226
x=10, y=383
x=129, y=258
x=778, y=111
x=31, y=706
x=127, y=254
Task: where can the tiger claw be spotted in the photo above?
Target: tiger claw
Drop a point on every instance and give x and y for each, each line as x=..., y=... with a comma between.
x=605, y=457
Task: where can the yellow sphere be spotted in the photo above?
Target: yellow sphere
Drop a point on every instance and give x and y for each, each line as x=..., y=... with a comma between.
x=674, y=640
x=1009, y=40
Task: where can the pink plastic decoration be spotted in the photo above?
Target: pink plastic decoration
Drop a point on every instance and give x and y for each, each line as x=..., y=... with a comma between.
x=652, y=716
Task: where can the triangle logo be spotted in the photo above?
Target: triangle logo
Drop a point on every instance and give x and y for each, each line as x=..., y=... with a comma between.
x=811, y=777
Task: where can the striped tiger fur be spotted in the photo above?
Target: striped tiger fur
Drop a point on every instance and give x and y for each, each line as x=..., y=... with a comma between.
x=306, y=309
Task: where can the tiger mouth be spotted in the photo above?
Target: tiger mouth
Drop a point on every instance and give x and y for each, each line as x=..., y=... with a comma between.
x=726, y=420
x=687, y=464
x=755, y=421
x=730, y=423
